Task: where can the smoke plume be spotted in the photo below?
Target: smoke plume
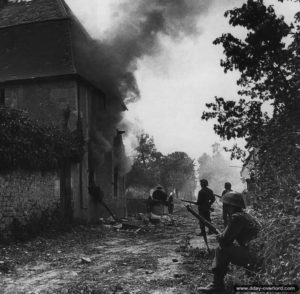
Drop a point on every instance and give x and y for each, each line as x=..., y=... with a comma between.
x=135, y=32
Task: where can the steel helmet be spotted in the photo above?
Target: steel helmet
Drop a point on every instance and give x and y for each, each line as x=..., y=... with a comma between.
x=234, y=199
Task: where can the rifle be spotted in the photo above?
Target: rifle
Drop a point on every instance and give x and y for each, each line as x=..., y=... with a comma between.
x=206, y=223
x=188, y=201
x=195, y=203
x=109, y=211
x=98, y=195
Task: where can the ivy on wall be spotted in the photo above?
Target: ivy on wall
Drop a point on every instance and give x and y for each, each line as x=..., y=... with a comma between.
x=29, y=145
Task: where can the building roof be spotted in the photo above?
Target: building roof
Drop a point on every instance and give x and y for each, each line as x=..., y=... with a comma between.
x=17, y=12
x=42, y=38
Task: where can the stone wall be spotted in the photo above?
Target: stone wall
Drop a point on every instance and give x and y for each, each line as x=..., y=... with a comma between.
x=25, y=197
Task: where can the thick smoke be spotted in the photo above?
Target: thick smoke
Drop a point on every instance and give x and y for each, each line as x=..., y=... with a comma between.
x=136, y=31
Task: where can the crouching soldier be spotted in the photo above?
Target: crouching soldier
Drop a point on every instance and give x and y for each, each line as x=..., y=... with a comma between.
x=241, y=228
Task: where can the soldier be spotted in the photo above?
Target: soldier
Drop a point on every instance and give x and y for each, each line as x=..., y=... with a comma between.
x=160, y=195
x=159, y=200
x=243, y=228
x=171, y=203
x=227, y=187
x=205, y=199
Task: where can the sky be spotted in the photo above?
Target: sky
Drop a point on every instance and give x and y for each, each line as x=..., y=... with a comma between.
x=177, y=80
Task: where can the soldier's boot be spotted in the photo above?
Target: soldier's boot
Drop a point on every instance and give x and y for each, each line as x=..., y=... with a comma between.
x=217, y=286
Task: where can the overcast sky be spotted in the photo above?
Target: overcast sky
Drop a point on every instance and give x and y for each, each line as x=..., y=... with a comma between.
x=176, y=83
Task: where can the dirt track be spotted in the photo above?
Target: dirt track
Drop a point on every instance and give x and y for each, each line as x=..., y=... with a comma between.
x=159, y=259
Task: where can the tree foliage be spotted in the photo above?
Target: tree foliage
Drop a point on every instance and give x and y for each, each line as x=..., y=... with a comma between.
x=145, y=169
x=26, y=144
x=177, y=173
x=268, y=60
x=151, y=167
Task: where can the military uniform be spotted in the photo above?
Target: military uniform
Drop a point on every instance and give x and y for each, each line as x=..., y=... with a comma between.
x=205, y=199
x=170, y=204
x=159, y=195
x=234, y=243
x=226, y=216
x=242, y=228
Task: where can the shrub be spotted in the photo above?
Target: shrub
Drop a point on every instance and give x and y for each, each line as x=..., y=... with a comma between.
x=278, y=248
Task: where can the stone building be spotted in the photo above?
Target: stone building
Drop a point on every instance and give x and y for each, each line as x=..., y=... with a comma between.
x=46, y=71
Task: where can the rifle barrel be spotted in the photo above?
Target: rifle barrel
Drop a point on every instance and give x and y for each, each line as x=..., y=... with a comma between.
x=188, y=201
x=205, y=222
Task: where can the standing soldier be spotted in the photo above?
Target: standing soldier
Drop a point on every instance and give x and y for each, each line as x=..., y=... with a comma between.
x=171, y=203
x=159, y=200
x=227, y=187
x=205, y=199
x=243, y=228
x=160, y=195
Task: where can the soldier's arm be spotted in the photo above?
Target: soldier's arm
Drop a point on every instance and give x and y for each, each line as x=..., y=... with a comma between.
x=232, y=230
x=212, y=198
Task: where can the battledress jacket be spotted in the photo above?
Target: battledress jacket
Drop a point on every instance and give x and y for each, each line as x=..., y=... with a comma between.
x=242, y=227
x=205, y=199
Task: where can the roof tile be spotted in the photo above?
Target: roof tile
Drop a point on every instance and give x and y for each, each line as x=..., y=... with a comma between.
x=20, y=12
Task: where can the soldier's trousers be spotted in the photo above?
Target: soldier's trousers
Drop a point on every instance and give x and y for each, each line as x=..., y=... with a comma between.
x=226, y=216
x=170, y=208
x=234, y=254
x=206, y=215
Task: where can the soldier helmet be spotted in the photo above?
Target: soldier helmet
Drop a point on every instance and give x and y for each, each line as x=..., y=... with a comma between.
x=159, y=187
x=234, y=199
x=204, y=182
x=227, y=185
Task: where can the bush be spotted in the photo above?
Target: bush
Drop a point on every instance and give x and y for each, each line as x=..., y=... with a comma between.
x=278, y=249
x=281, y=255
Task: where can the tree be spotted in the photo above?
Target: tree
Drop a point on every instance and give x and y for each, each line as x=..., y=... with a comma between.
x=177, y=172
x=145, y=171
x=150, y=167
x=268, y=60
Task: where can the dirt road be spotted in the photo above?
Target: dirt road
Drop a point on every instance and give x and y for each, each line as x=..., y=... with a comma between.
x=157, y=259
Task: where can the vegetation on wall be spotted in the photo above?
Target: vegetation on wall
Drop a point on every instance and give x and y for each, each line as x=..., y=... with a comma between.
x=28, y=145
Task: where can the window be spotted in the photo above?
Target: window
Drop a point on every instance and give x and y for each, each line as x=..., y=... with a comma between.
x=2, y=97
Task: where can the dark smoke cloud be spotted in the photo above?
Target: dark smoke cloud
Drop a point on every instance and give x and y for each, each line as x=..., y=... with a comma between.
x=135, y=33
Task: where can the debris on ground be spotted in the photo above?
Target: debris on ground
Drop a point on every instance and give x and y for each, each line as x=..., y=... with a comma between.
x=137, y=257
x=86, y=260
